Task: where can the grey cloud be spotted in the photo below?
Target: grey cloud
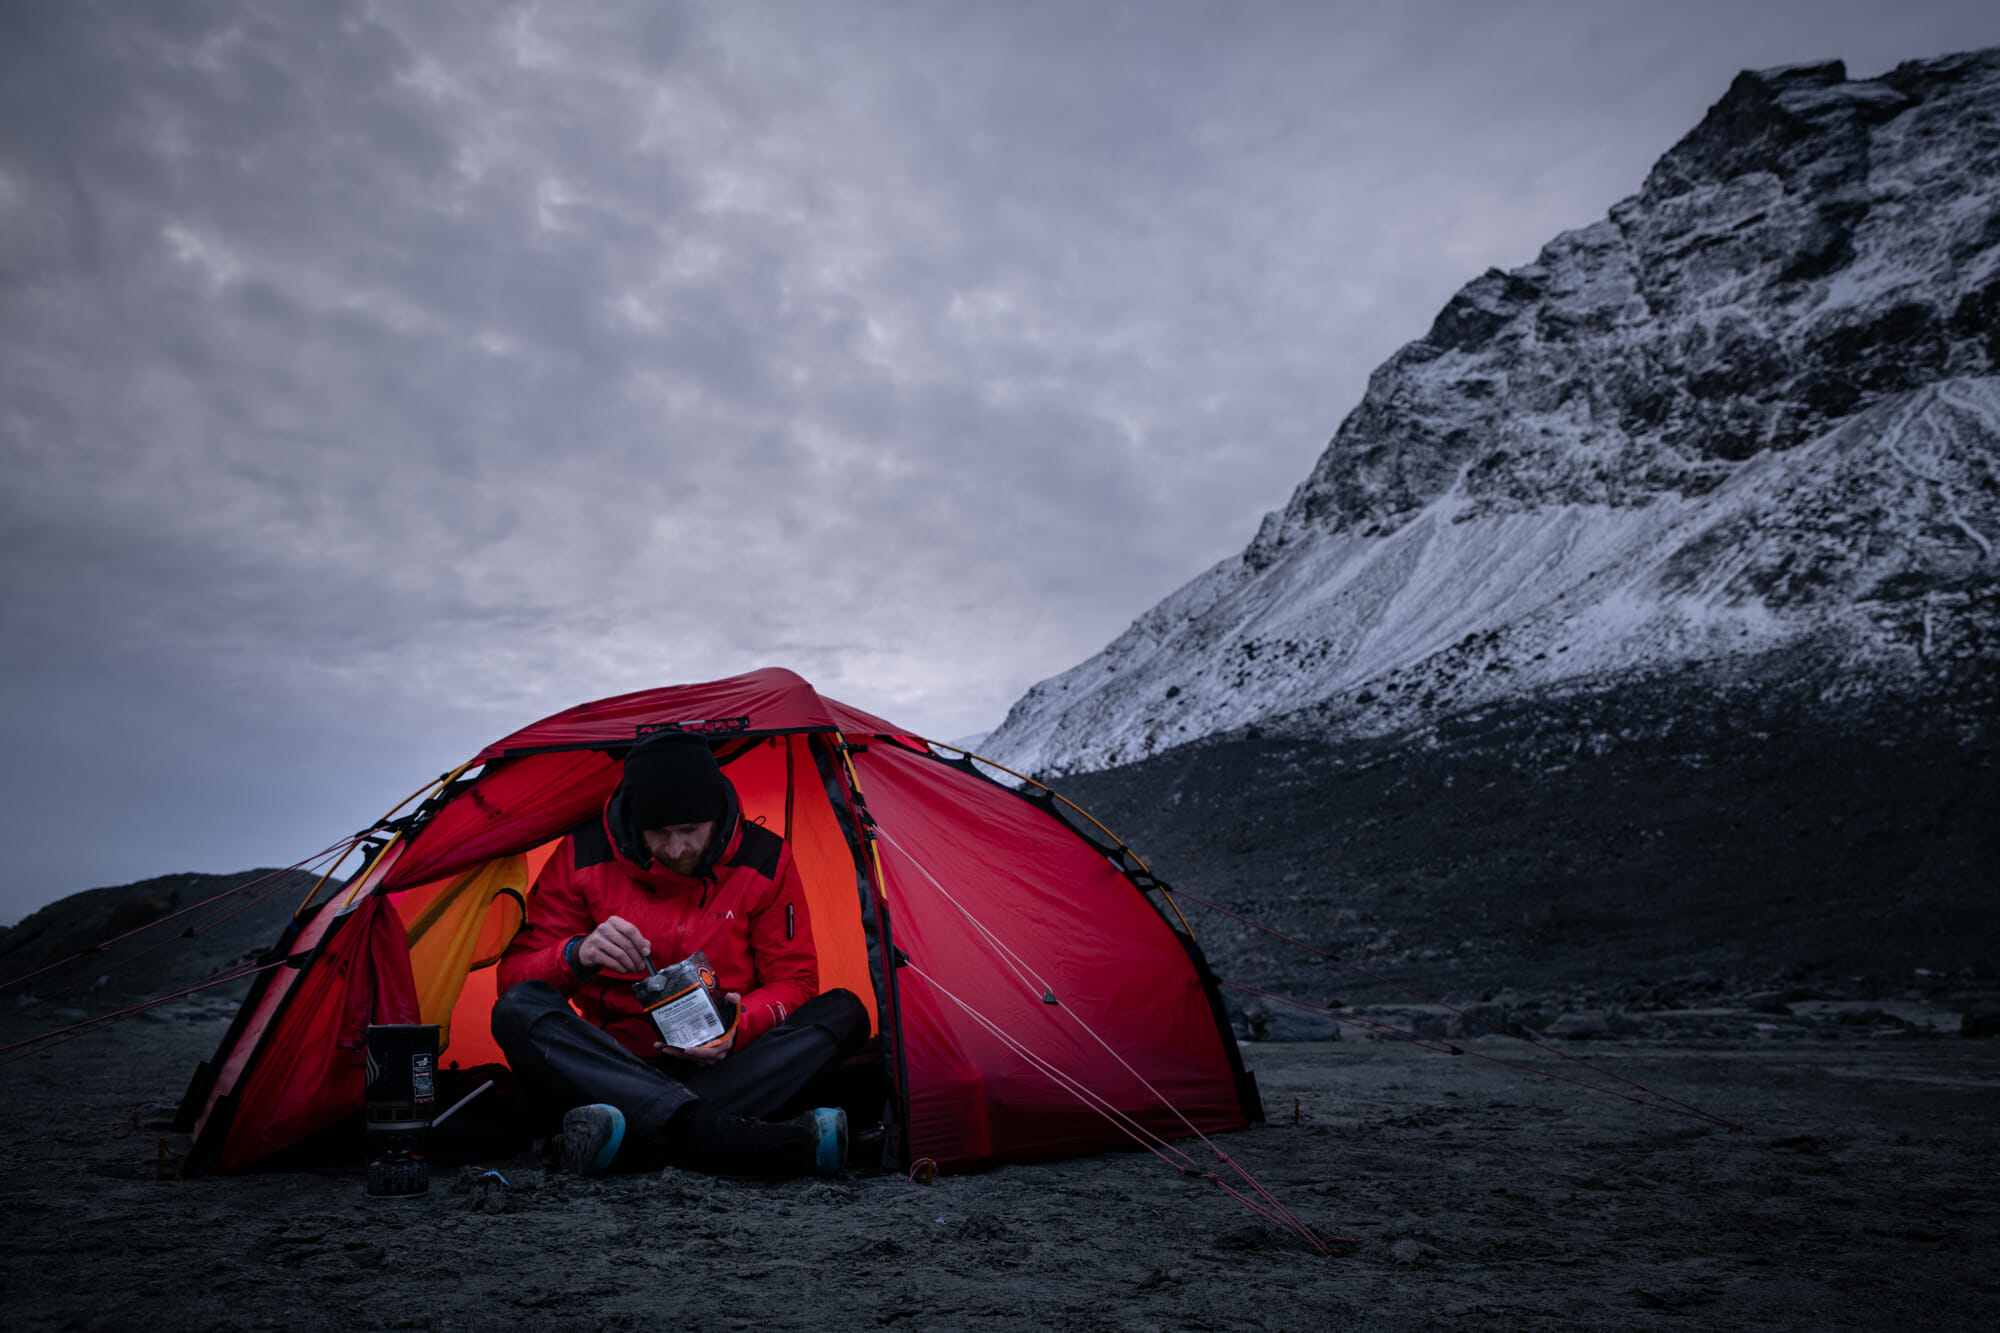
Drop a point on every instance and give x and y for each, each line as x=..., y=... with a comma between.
x=376, y=376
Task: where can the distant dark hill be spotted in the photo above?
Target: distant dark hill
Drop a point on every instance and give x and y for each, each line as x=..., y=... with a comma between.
x=1614, y=839
x=160, y=956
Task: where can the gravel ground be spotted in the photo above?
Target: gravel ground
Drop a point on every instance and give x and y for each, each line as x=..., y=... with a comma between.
x=1864, y=1192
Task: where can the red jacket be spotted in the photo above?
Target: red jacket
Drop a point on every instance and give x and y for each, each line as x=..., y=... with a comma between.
x=746, y=907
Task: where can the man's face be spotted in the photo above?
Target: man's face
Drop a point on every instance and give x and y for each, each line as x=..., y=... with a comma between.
x=678, y=847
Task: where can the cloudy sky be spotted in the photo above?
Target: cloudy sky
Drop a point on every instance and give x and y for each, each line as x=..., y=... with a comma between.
x=377, y=377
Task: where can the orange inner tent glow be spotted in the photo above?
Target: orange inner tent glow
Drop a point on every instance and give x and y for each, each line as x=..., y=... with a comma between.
x=459, y=926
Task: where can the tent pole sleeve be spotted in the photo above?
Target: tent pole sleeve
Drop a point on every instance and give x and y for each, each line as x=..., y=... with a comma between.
x=1056, y=795
x=428, y=789
x=846, y=754
x=834, y=762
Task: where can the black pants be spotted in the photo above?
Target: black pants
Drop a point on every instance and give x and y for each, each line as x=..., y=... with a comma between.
x=561, y=1061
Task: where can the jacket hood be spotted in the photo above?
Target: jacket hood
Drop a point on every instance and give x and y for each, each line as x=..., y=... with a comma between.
x=630, y=844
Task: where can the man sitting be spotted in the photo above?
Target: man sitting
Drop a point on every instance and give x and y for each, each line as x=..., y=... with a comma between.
x=671, y=866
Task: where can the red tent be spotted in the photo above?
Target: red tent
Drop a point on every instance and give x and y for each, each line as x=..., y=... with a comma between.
x=1031, y=983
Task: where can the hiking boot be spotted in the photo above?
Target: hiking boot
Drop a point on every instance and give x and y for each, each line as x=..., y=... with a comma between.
x=590, y=1138
x=830, y=1122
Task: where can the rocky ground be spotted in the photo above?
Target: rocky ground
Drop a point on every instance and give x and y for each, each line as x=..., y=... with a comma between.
x=1863, y=1192
x=1650, y=854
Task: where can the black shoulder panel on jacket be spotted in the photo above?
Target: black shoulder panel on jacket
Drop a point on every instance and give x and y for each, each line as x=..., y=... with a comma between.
x=592, y=847
x=758, y=850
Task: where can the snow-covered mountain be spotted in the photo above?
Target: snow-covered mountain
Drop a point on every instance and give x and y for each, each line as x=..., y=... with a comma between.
x=1756, y=408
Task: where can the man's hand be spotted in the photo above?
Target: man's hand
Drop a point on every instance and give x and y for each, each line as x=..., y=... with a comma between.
x=704, y=1055
x=615, y=944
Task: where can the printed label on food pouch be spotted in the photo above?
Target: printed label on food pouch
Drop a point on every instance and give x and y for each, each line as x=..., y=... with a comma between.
x=681, y=1001
x=689, y=1019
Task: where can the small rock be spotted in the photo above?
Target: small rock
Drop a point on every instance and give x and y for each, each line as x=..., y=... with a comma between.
x=1811, y=1144
x=158, y=1115
x=1278, y=1022
x=1413, y=1253
x=1671, y=1297
x=367, y=1255
x=1980, y=1023
x=485, y=1191
x=981, y=1226
x=1580, y=1027
x=1253, y=1236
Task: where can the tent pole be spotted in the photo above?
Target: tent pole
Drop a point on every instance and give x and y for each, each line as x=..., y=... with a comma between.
x=1056, y=795
x=428, y=789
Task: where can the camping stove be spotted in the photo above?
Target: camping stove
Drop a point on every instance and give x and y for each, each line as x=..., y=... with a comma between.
x=401, y=1095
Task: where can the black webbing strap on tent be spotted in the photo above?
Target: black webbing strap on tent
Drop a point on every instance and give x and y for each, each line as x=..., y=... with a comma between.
x=878, y=933
x=1077, y=821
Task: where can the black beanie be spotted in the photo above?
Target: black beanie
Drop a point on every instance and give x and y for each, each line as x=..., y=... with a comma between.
x=672, y=781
